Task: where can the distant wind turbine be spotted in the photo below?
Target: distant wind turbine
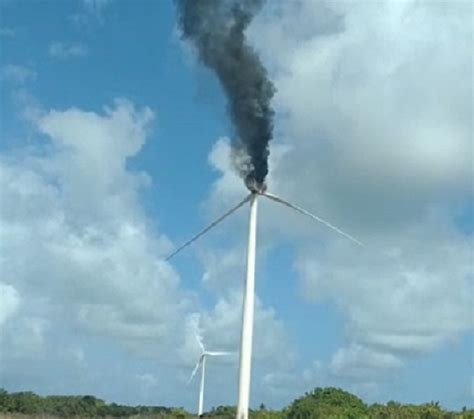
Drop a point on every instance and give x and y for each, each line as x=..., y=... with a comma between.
x=202, y=363
x=248, y=303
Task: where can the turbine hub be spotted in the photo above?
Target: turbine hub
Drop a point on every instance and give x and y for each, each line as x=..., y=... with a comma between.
x=254, y=186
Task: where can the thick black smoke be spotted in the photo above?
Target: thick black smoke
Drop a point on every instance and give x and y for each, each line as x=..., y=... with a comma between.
x=216, y=27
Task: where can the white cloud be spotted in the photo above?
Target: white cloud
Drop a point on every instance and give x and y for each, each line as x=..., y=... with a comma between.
x=148, y=381
x=17, y=74
x=218, y=266
x=364, y=140
x=367, y=111
x=74, y=238
x=92, y=12
x=224, y=322
x=76, y=355
x=26, y=338
x=375, y=125
x=220, y=328
x=95, y=6
x=423, y=275
x=358, y=361
x=10, y=301
x=63, y=50
x=81, y=251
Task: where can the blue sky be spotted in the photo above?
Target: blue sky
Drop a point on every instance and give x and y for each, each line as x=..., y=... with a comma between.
x=115, y=149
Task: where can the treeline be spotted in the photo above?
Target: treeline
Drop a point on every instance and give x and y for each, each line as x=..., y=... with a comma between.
x=321, y=403
x=334, y=403
x=29, y=403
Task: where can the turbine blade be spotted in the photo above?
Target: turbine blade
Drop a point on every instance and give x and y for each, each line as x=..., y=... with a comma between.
x=213, y=224
x=195, y=370
x=314, y=217
x=214, y=353
x=201, y=345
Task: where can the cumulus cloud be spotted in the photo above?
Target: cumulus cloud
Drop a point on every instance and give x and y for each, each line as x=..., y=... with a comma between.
x=95, y=6
x=10, y=300
x=375, y=135
x=62, y=50
x=74, y=239
x=423, y=275
x=147, y=381
x=92, y=12
x=219, y=328
x=81, y=251
x=356, y=361
x=17, y=74
x=24, y=338
x=383, y=143
x=374, y=128
x=287, y=383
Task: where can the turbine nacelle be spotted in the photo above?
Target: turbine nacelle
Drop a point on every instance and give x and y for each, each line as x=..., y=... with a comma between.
x=254, y=186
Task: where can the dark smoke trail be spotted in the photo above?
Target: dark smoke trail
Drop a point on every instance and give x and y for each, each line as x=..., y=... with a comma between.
x=216, y=27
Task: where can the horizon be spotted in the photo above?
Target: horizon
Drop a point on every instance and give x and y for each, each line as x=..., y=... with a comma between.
x=213, y=408
x=116, y=148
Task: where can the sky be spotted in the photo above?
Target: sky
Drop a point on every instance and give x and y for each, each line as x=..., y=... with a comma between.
x=115, y=148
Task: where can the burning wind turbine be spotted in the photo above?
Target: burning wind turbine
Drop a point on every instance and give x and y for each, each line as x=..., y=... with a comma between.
x=202, y=363
x=217, y=30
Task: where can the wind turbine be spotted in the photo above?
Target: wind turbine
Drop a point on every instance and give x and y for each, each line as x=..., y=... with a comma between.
x=202, y=363
x=248, y=303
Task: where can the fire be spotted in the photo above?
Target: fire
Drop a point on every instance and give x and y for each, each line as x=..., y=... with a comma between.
x=255, y=187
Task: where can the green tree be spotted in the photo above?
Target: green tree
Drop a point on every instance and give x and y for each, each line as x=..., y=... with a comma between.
x=327, y=403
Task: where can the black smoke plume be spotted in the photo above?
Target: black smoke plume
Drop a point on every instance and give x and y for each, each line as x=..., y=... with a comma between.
x=217, y=29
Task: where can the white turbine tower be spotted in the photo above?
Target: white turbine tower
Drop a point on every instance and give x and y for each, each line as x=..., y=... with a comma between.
x=202, y=363
x=249, y=287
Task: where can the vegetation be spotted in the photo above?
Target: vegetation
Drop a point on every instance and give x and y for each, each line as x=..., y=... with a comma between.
x=324, y=403
x=327, y=403
x=333, y=403
x=29, y=403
